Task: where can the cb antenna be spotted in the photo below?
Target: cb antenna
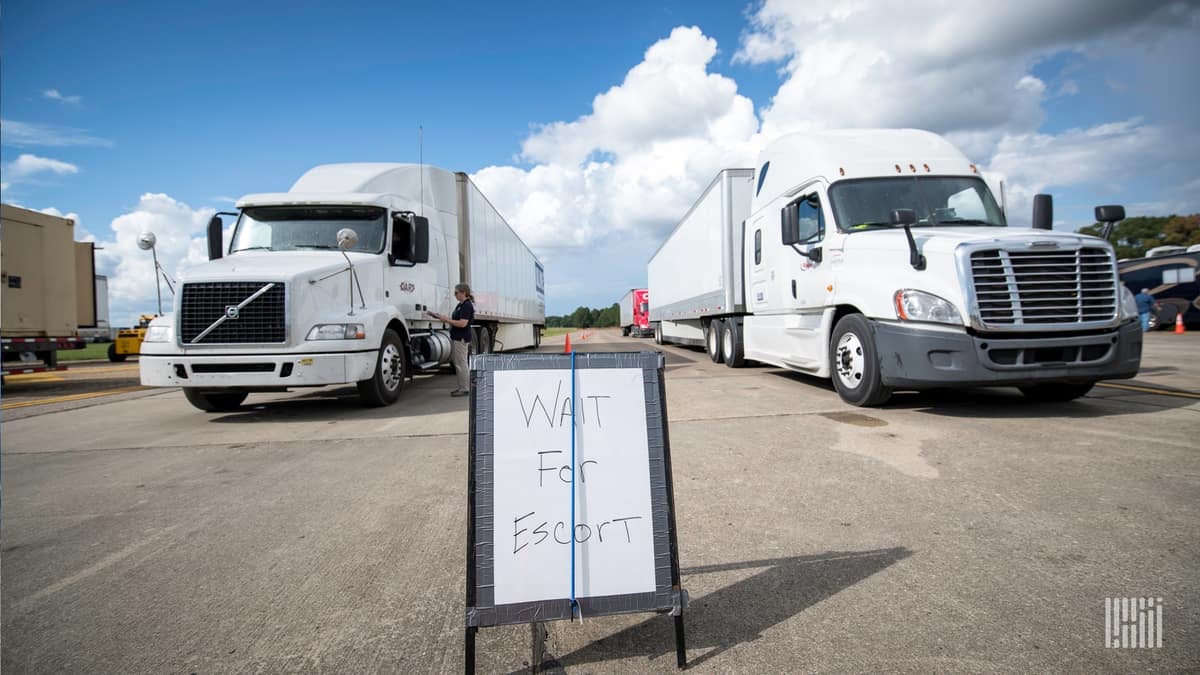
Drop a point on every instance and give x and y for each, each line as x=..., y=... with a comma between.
x=421, y=164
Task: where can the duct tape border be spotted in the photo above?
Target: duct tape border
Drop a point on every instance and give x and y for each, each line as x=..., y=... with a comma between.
x=481, y=607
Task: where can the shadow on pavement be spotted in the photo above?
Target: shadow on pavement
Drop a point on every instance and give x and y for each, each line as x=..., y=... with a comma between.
x=742, y=611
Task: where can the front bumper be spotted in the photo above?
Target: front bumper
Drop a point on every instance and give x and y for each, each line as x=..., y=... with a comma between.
x=913, y=357
x=257, y=371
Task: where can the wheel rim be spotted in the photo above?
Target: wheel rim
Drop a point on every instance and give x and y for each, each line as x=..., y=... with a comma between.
x=712, y=339
x=727, y=343
x=391, y=367
x=849, y=362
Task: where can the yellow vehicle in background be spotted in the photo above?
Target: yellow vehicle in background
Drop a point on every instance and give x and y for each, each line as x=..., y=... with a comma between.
x=129, y=340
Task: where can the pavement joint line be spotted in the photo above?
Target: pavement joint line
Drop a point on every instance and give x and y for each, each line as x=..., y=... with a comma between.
x=1149, y=390
x=72, y=397
x=8, y=453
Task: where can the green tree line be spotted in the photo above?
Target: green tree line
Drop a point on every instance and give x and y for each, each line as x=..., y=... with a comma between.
x=1134, y=236
x=586, y=317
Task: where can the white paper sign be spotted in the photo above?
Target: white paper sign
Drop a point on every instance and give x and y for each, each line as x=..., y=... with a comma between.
x=614, y=537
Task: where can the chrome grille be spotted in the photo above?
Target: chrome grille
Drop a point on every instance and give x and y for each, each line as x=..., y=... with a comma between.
x=263, y=320
x=1016, y=288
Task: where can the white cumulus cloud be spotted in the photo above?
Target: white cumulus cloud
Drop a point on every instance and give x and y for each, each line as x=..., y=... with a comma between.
x=637, y=159
x=179, y=230
x=54, y=95
x=27, y=165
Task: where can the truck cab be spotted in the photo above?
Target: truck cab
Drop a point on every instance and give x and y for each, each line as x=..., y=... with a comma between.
x=330, y=283
x=880, y=259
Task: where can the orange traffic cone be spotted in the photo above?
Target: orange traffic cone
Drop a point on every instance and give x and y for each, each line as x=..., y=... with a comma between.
x=567, y=345
x=1179, y=324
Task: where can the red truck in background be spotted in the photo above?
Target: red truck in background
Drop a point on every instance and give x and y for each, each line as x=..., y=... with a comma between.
x=635, y=313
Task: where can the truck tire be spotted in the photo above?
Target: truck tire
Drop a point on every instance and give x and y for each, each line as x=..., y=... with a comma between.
x=113, y=355
x=486, y=343
x=391, y=371
x=713, y=340
x=1056, y=392
x=855, y=363
x=732, y=351
x=214, y=401
x=658, y=338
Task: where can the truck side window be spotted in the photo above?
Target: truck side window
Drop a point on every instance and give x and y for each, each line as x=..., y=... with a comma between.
x=758, y=247
x=401, y=240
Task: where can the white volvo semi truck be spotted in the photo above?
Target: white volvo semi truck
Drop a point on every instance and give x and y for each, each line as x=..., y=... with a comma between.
x=329, y=283
x=880, y=259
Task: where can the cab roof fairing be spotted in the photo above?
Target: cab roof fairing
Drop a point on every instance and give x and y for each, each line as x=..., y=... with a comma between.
x=860, y=153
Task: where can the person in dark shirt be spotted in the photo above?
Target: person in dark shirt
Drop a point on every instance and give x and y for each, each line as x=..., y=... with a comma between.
x=460, y=336
x=1145, y=305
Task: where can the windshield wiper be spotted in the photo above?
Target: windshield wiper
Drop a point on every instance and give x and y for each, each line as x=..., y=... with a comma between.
x=253, y=248
x=868, y=225
x=965, y=221
x=318, y=246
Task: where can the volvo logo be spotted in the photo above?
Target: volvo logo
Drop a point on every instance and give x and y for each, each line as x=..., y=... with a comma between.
x=231, y=311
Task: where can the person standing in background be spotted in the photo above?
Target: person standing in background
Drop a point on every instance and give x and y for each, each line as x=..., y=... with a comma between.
x=460, y=336
x=1145, y=304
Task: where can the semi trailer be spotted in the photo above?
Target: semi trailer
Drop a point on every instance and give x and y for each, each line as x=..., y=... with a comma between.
x=330, y=282
x=47, y=289
x=634, y=313
x=881, y=260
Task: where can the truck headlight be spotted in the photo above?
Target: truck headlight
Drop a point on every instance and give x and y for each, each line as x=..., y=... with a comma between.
x=157, y=334
x=1128, y=304
x=921, y=306
x=337, y=331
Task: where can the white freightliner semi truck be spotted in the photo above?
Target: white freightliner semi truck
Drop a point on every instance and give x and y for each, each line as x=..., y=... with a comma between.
x=880, y=259
x=329, y=283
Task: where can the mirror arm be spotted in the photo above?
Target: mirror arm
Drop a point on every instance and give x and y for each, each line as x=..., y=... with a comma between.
x=915, y=258
x=813, y=255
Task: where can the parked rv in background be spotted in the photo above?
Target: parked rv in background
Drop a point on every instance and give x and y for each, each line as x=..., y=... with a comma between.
x=47, y=289
x=635, y=313
x=1171, y=279
x=880, y=259
x=330, y=283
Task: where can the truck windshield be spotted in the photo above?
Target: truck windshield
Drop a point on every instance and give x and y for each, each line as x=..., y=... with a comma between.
x=937, y=200
x=289, y=228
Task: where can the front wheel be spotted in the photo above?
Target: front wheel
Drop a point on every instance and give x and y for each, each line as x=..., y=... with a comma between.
x=391, y=368
x=1056, y=392
x=855, y=363
x=113, y=355
x=658, y=336
x=214, y=401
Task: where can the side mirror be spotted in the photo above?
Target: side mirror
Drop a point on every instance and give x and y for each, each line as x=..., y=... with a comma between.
x=903, y=217
x=420, y=252
x=1110, y=213
x=215, y=245
x=346, y=238
x=1043, y=212
x=790, y=223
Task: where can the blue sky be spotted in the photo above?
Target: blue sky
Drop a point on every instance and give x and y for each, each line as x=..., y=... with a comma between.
x=592, y=126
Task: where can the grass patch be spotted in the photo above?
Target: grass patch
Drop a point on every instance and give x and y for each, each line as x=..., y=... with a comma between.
x=553, y=332
x=93, y=350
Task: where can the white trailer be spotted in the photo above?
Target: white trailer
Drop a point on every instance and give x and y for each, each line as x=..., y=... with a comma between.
x=330, y=282
x=880, y=259
x=697, y=272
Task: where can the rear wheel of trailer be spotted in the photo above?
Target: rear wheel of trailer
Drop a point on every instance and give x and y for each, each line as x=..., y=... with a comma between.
x=713, y=340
